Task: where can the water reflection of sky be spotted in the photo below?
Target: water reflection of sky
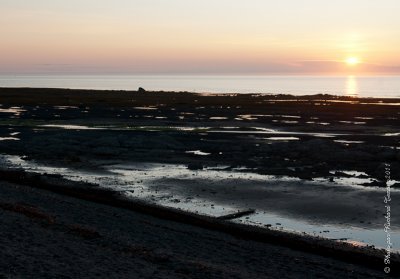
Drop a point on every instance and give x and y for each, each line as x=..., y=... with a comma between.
x=135, y=181
x=377, y=86
x=351, y=86
x=376, y=237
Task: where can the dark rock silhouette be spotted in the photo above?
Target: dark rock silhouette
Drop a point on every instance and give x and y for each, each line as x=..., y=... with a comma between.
x=195, y=166
x=141, y=90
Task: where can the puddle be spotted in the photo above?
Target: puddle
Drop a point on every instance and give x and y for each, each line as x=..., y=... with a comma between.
x=354, y=173
x=189, y=129
x=247, y=117
x=349, y=141
x=263, y=115
x=198, y=152
x=71, y=127
x=355, y=179
x=146, y=108
x=381, y=104
x=264, y=129
x=16, y=111
x=65, y=107
x=8, y=138
x=230, y=127
x=350, y=235
x=242, y=169
x=364, y=118
x=290, y=116
x=212, y=192
x=326, y=135
x=353, y=122
x=218, y=118
x=282, y=138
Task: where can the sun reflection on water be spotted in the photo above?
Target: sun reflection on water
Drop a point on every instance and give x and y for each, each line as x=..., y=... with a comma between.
x=352, y=86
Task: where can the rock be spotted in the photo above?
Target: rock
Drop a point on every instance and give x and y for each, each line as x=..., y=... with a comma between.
x=375, y=183
x=195, y=166
x=305, y=176
x=342, y=174
x=396, y=185
x=141, y=90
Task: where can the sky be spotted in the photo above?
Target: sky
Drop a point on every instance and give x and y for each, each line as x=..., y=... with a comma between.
x=255, y=37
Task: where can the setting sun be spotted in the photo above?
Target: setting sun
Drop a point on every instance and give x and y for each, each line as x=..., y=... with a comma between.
x=352, y=61
x=170, y=128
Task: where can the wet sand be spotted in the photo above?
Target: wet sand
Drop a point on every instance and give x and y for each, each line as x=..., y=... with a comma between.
x=316, y=139
x=46, y=235
x=304, y=137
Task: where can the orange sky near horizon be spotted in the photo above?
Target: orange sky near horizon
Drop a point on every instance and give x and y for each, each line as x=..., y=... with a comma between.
x=199, y=37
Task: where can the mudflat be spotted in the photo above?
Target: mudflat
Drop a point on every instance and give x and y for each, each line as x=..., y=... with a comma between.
x=299, y=136
x=329, y=153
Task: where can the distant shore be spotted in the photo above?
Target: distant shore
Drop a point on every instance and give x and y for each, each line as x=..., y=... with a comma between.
x=348, y=85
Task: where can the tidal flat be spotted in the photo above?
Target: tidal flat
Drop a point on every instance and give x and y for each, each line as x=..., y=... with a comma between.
x=313, y=165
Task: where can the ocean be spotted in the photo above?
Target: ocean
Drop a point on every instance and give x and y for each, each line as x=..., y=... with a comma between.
x=376, y=86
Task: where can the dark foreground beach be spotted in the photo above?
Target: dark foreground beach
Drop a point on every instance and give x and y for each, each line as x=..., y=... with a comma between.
x=330, y=154
x=46, y=235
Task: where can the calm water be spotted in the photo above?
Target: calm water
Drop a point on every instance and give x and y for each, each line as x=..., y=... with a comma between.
x=139, y=181
x=379, y=86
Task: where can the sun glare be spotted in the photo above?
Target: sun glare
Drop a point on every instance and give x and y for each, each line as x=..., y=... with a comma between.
x=352, y=61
